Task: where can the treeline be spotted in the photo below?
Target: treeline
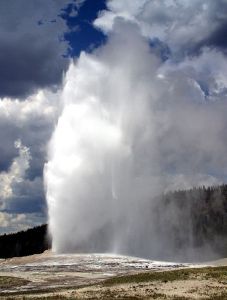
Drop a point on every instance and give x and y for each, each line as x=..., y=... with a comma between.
x=24, y=243
x=193, y=223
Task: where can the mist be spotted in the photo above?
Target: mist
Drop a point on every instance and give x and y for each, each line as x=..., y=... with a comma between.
x=132, y=126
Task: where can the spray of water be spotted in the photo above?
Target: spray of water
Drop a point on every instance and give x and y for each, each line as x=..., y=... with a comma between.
x=129, y=129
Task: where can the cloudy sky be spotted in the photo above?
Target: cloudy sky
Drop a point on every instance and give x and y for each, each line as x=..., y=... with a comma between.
x=38, y=41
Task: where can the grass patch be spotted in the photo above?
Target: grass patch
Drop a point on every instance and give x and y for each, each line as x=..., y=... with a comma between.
x=53, y=297
x=221, y=296
x=9, y=282
x=149, y=276
x=32, y=293
x=217, y=273
x=57, y=297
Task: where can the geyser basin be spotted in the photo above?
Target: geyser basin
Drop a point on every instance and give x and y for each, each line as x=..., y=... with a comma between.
x=103, y=264
x=48, y=271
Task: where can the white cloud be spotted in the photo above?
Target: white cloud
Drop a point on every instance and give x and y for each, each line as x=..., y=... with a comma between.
x=182, y=24
x=15, y=174
x=10, y=222
x=30, y=120
x=208, y=70
x=42, y=104
x=25, y=128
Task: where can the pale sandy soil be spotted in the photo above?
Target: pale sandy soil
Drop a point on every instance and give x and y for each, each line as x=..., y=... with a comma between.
x=191, y=289
x=82, y=276
x=26, y=259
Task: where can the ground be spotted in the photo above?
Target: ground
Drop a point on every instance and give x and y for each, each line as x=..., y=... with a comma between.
x=96, y=276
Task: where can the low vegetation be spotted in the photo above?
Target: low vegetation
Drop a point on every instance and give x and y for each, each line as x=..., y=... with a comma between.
x=143, y=285
x=7, y=282
x=218, y=273
x=149, y=276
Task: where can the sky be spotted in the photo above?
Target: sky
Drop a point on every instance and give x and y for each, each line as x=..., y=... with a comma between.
x=40, y=38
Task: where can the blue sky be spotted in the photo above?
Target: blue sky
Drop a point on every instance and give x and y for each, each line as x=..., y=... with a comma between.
x=83, y=36
x=38, y=40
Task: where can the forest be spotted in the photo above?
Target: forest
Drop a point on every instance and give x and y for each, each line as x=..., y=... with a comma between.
x=23, y=243
x=193, y=220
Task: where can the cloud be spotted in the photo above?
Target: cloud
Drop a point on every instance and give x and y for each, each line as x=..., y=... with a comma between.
x=19, y=193
x=185, y=26
x=10, y=222
x=30, y=122
x=31, y=54
x=16, y=173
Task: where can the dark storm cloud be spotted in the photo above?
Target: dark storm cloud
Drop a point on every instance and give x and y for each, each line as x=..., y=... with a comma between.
x=25, y=69
x=8, y=134
x=31, y=54
x=217, y=22
x=28, y=197
x=218, y=38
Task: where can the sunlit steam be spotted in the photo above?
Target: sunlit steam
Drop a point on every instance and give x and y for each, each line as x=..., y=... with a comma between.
x=130, y=129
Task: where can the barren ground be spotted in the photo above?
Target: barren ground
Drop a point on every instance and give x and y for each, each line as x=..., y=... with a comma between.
x=97, y=276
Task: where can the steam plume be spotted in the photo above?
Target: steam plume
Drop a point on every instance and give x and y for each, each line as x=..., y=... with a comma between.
x=131, y=127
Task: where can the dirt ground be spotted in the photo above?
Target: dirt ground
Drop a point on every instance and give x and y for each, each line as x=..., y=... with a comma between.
x=49, y=276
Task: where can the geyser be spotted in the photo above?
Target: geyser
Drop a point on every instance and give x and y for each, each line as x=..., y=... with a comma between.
x=99, y=172
x=129, y=129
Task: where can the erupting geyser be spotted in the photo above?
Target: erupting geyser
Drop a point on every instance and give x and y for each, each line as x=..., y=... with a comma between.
x=100, y=169
x=120, y=141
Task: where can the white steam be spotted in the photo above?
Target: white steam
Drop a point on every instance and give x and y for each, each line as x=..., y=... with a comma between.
x=131, y=128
